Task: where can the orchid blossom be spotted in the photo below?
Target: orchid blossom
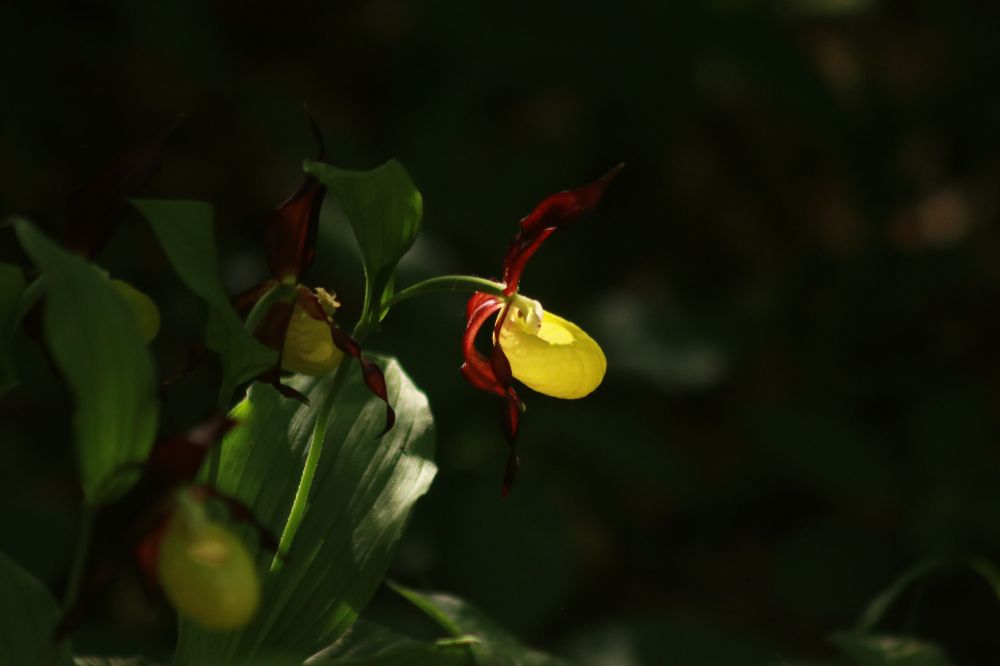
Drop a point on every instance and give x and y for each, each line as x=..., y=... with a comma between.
x=302, y=329
x=543, y=351
x=162, y=526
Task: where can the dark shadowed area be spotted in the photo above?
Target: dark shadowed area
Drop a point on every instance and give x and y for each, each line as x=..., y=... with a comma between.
x=795, y=281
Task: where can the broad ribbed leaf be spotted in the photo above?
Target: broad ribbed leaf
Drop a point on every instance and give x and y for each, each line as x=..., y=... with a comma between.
x=361, y=497
x=384, y=208
x=496, y=647
x=28, y=615
x=368, y=644
x=11, y=288
x=95, y=341
x=186, y=231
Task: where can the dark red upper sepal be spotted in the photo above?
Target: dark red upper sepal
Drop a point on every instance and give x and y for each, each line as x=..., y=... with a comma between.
x=290, y=230
x=93, y=210
x=552, y=213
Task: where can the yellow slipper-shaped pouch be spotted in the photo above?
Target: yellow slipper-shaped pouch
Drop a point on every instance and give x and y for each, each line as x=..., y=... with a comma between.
x=550, y=354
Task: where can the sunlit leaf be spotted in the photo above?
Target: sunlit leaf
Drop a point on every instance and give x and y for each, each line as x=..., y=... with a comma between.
x=496, y=647
x=95, y=341
x=28, y=614
x=360, y=501
x=368, y=644
x=384, y=208
x=186, y=231
x=11, y=287
x=880, y=650
x=111, y=661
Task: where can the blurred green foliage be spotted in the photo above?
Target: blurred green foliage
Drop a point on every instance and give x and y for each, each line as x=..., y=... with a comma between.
x=795, y=281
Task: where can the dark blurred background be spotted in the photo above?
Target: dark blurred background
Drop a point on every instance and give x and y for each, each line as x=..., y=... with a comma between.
x=795, y=281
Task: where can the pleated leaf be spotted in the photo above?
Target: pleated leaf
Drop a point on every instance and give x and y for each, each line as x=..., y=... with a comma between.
x=362, y=494
x=95, y=341
x=186, y=232
x=494, y=645
x=11, y=287
x=885, y=650
x=28, y=615
x=368, y=644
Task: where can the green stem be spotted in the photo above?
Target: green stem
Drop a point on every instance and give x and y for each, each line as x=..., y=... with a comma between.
x=76, y=572
x=309, y=469
x=79, y=556
x=466, y=283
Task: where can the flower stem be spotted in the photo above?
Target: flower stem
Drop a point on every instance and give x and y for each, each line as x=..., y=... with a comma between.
x=301, y=500
x=79, y=556
x=467, y=283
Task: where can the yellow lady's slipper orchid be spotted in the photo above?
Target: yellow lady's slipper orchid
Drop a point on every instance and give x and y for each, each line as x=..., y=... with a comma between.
x=544, y=351
x=206, y=572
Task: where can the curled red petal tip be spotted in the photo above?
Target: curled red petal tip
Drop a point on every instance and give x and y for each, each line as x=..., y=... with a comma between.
x=370, y=372
x=554, y=212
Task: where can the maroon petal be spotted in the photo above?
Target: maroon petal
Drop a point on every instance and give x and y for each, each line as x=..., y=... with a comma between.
x=554, y=212
x=290, y=230
x=373, y=377
x=94, y=210
x=512, y=409
x=477, y=369
x=245, y=301
x=146, y=555
x=175, y=461
x=271, y=333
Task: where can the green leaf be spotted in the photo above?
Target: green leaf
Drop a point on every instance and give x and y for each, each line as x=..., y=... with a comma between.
x=384, y=208
x=876, y=650
x=362, y=494
x=11, y=287
x=111, y=661
x=496, y=646
x=186, y=232
x=28, y=616
x=94, y=338
x=368, y=644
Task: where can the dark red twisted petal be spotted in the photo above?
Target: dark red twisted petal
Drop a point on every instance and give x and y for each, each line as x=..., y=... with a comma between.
x=554, y=212
x=371, y=373
x=477, y=369
x=94, y=210
x=271, y=333
x=290, y=230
